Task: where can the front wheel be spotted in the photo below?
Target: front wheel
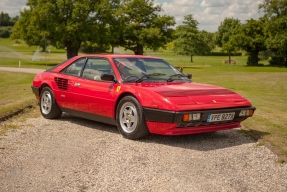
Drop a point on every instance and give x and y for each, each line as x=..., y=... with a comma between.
x=48, y=105
x=130, y=119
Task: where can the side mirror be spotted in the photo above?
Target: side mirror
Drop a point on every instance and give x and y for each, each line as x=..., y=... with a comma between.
x=107, y=77
x=189, y=76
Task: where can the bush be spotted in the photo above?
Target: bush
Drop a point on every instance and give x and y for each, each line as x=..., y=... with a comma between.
x=223, y=54
x=17, y=41
x=5, y=32
x=278, y=61
x=264, y=55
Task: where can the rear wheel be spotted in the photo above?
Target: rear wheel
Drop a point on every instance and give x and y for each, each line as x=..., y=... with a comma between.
x=130, y=119
x=48, y=105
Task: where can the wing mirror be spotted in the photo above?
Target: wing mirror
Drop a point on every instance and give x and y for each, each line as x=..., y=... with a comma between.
x=189, y=76
x=107, y=77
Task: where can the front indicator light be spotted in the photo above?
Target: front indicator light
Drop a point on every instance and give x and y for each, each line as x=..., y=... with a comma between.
x=190, y=117
x=246, y=113
x=187, y=117
x=251, y=113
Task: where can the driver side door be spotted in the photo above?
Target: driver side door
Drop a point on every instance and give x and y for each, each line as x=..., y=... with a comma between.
x=91, y=94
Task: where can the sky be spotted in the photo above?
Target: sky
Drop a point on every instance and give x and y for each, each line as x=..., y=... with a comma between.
x=209, y=13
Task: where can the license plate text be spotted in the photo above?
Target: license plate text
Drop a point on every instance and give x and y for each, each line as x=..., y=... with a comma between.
x=220, y=117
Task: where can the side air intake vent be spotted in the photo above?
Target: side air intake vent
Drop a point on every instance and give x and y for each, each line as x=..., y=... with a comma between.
x=62, y=83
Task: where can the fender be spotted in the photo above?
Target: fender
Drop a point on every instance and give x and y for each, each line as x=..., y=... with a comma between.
x=146, y=98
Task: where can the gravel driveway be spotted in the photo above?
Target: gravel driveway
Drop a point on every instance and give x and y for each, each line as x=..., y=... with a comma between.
x=73, y=154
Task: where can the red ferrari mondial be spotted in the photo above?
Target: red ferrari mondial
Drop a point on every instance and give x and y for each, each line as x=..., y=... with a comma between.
x=138, y=94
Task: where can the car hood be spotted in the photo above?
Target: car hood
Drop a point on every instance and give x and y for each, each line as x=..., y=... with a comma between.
x=187, y=95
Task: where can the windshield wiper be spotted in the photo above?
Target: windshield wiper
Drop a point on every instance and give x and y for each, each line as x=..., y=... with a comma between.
x=170, y=79
x=149, y=76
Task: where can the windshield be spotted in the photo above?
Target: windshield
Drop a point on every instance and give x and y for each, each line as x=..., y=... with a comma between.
x=147, y=69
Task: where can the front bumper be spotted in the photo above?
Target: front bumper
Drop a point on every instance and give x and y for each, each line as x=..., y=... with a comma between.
x=172, y=129
x=171, y=122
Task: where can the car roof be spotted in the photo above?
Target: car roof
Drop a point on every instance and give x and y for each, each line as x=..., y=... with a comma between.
x=118, y=56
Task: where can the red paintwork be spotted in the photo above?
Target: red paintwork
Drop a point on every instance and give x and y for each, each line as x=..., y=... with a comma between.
x=185, y=96
x=101, y=98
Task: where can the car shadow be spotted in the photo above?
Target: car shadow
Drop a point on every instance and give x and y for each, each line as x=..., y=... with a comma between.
x=88, y=123
x=255, y=134
x=201, y=142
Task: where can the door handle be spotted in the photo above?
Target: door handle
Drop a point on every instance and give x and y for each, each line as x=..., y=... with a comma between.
x=77, y=84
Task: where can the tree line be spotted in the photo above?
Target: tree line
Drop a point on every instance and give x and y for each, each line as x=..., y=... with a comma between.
x=94, y=25
x=268, y=34
x=6, y=24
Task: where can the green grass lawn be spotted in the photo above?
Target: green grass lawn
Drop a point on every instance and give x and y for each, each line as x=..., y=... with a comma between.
x=16, y=91
x=264, y=86
x=13, y=52
x=267, y=91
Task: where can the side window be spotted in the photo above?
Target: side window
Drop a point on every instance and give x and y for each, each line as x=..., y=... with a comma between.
x=95, y=67
x=75, y=68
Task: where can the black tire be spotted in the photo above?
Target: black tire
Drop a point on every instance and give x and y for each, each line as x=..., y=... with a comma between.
x=48, y=105
x=130, y=119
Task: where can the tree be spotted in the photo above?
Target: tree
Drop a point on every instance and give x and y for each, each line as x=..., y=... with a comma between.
x=226, y=30
x=5, y=19
x=276, y=29
x=142, y=25
x=113, y=27
x=28, y=29
x=250, y=38
x=208, y=38
x=189, y=41
x=65, y=23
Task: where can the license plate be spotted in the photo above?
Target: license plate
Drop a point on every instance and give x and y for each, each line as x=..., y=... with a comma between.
x=220, y=117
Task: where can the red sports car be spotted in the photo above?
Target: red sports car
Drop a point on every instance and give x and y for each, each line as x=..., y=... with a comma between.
x=138, y=94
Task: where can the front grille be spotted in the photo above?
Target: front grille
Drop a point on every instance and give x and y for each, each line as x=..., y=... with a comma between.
x=62, y=83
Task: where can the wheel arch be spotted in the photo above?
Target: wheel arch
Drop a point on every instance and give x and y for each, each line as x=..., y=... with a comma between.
x=120, y=98
x=43, y=86
x=135, y=128
x=50, y=108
